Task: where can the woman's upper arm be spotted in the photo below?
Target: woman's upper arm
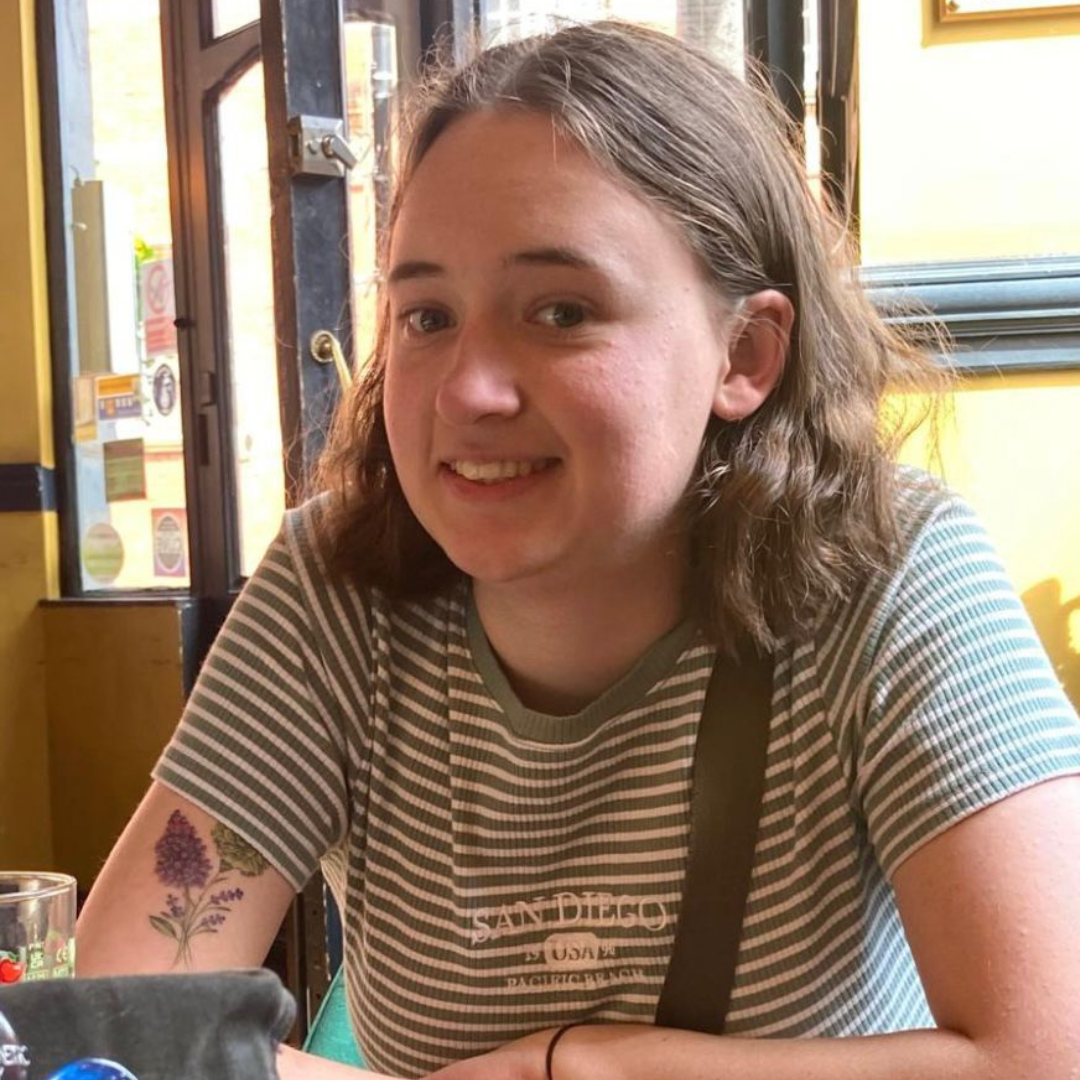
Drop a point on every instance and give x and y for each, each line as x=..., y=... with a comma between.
x=179, y=891
x=990, y=908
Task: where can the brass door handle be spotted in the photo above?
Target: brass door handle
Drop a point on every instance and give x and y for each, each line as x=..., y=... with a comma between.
x=326, y=349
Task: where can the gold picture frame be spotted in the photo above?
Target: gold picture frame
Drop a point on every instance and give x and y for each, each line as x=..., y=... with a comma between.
x=954, y=11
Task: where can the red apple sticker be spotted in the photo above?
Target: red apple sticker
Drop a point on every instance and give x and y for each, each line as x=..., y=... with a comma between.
x=11, y=971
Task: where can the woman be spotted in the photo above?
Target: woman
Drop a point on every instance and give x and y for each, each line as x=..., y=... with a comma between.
x=624, y=413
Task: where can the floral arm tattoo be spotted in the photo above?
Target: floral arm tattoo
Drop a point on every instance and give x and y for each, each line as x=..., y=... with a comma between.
x=197, y=903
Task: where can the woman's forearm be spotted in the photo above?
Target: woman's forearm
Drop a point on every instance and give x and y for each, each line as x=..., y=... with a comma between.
x=604, y=1052
x=296, y=1065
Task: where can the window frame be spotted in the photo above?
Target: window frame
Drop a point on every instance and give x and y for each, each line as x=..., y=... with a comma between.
x=196, y=68
x=1001, y=315
x=63, y=149
x=193, y=62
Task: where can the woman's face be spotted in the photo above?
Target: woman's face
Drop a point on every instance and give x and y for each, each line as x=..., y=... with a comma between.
x=553, y=358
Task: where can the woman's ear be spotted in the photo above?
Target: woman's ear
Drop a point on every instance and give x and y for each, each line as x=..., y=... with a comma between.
x=757, y=352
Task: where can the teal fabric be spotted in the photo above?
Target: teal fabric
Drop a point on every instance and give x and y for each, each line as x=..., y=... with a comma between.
x=331, y=1035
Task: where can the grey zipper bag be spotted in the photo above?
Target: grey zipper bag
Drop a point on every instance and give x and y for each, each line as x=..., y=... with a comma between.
x=218, y=1026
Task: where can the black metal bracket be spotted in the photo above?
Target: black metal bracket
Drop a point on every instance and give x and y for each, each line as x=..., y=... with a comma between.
x=27, y=487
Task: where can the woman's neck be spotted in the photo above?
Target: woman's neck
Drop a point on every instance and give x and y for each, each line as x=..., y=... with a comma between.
x=562, y=648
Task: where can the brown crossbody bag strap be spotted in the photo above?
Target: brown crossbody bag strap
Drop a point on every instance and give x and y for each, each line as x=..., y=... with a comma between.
x=725, y=806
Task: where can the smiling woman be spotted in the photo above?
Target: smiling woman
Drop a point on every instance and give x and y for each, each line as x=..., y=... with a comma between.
x=531, y=336
x=622, y=423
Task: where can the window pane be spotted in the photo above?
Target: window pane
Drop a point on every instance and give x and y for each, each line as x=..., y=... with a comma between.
x=127, y=435
x=371, y=78
x=967, y=149
x=716, y=25
x=230, y=15
x=256, y=428
x=516, y=18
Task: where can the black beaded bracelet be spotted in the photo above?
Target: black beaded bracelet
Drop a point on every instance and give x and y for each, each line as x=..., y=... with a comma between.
x=554, y=1042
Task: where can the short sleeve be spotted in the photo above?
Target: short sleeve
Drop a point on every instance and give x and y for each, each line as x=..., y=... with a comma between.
x=960, y=705
x=260, y=745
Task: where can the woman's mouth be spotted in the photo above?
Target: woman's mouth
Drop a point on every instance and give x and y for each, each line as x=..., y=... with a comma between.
x=494, y=472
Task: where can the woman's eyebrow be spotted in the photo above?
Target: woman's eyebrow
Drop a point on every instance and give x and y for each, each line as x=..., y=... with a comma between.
x=553, y=256
x=407, y=270
x=546, y=256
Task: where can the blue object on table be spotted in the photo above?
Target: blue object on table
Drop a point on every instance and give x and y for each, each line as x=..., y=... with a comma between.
x=331, y=1035
x=93, y=1069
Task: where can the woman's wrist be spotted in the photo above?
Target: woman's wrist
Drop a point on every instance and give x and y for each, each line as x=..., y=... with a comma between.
x=584, y=1050
x=557, y=1036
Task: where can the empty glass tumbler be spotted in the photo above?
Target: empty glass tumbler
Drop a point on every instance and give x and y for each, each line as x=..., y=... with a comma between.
x=37, y=926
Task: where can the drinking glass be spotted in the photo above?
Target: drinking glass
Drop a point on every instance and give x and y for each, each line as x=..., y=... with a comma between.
x=37, y=926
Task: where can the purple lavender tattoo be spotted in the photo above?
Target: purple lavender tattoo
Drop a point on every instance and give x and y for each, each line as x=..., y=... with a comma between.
x=196, y=905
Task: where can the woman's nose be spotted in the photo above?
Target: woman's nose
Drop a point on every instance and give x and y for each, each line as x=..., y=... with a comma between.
x=480, y=381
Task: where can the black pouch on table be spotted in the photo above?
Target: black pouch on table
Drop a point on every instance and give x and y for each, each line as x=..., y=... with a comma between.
x=218, y=1026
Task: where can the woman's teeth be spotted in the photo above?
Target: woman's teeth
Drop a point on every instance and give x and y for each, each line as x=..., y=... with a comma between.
x=491, y=472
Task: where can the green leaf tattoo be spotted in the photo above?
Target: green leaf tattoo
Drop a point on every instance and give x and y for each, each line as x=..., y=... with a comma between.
x=164, y=926
x=197, y=905
x=236, y=852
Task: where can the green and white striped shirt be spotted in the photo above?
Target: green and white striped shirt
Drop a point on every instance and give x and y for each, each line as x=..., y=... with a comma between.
x=500, y=870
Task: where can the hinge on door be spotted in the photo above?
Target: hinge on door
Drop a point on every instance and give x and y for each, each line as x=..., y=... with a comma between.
x=318, y=147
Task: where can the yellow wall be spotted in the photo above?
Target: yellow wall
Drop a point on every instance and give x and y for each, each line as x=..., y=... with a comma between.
x=27, y=540
x=27, y=561
x=26, y=433
x=115, y=691
x=968, y=150
x=969, y=145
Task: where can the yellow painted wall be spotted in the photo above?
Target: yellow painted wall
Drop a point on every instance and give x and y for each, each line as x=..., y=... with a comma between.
x=27, y=541
x=115, y=691
x=27, y=562
x=969, y=149
x=26, y=433
x=968, y=141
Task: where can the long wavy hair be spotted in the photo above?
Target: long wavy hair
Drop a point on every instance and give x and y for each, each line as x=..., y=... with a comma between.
x=792, y=507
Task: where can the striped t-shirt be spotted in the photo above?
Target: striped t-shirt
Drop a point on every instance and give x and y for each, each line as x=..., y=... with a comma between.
x=500, y=870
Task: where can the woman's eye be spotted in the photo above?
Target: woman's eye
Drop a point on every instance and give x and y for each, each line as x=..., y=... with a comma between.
x=424, y=321
x=562, y=316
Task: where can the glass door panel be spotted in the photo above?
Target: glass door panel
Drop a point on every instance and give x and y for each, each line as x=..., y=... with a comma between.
x=511, y=19
x=230, y=15
x=371, y=89
x=249, y=293
x=127, y=434
x=715, y=25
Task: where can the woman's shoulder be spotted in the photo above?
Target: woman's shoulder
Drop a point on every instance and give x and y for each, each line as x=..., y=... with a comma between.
x=309, y=518
x=922, y=500
x=945, y=578
x=307, y=533
x=941, y=546
x=936, y=526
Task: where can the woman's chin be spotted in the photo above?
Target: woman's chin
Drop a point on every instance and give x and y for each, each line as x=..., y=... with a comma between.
x=496, y=571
